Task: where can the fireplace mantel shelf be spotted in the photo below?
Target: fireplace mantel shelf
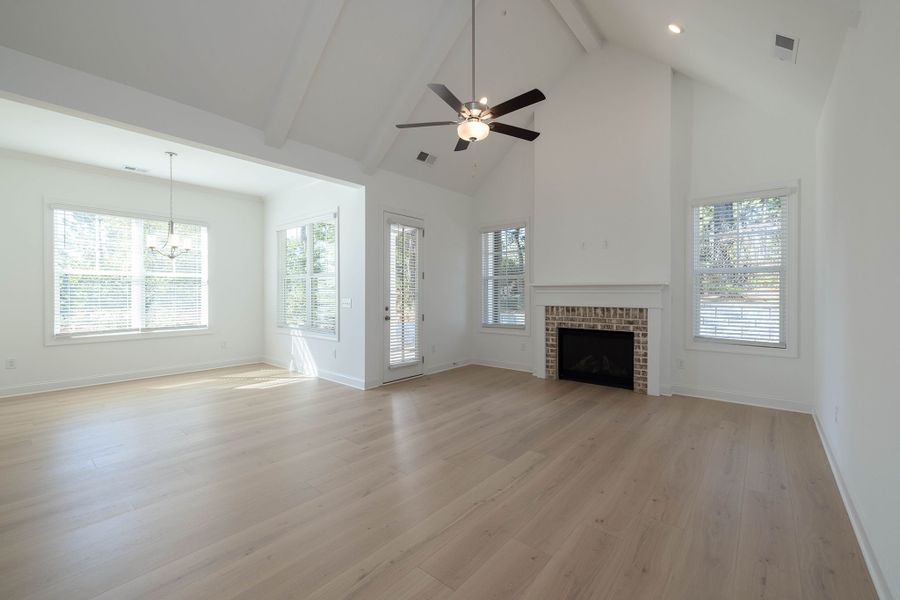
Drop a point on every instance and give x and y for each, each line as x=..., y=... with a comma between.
x=648, y=286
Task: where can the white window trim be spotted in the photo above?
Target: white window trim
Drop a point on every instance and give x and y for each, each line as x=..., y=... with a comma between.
x=791, y=192
x=307, y=331
x=524, y=331
x=51, y=339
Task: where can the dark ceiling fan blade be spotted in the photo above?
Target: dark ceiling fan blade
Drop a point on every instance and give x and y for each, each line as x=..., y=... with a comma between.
x=518, y=132
x=461, y=144
x=447, y=96
x=514, y=104
x=429, y=124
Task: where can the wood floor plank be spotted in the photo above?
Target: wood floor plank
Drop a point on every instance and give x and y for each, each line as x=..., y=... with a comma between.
x=766, y=563
x=649, y=554
x=251, y=483
x=582, y=568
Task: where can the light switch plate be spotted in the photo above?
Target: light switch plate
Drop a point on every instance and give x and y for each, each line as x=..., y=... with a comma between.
x=346, y=303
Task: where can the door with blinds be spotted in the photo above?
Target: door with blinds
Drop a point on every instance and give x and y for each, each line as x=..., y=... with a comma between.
x=403, y=278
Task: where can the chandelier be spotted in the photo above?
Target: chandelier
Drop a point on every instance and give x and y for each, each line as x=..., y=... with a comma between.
x=174, y=246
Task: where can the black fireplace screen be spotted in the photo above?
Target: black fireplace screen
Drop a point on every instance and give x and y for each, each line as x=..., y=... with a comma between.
x=596, y=356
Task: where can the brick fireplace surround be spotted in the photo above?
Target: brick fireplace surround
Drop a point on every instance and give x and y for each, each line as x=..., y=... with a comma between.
x=640, y=308
x=602, y=318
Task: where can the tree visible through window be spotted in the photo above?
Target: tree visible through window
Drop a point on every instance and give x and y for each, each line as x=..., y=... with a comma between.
x=105, y=282
x=739, y=270
x=307, y=277
x=503, y=277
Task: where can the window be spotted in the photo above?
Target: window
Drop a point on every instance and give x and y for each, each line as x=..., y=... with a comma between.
x=740, y=253
x=307, y=276
x=503, y=277
x=106, y=282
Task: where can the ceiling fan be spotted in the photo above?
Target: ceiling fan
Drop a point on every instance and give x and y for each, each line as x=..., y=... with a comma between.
x=475, y=119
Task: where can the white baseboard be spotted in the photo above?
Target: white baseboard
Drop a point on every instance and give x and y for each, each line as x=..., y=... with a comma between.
x=79, y=382
x=868, y=555
x=499, y=364
x=737, y=398
x=431, y=370
x=354, y=382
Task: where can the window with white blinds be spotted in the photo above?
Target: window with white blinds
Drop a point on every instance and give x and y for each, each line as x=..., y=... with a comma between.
x=503, y=277
x=106, y=282
x=404, y=295
x=307, y=276
x=740, y=260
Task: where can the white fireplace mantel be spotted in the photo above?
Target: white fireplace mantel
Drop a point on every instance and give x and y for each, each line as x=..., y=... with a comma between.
x=652, y=296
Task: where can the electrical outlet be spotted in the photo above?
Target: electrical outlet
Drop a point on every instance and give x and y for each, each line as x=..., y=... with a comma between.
x=10, y=363
x=836, y=413
x=679, y=363
x=334, y=353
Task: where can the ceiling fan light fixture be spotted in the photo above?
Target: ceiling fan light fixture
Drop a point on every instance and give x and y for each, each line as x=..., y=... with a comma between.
x=473, y=130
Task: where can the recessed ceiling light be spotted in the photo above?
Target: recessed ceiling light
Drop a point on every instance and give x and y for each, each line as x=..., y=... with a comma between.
x=674, y=27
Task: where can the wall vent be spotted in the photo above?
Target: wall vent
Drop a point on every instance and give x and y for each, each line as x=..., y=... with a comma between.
x=425, y=158
x=786, y=48
x=134, y=169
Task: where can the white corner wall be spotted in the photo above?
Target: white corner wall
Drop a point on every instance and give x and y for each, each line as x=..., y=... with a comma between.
x=448, y=222
x=505, y=197
x=723, y=145
x=858, y=324
x=601, y=175
x=341, y=359
x=235, y=283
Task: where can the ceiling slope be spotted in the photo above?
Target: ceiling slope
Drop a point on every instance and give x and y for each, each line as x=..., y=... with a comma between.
x=729, y=44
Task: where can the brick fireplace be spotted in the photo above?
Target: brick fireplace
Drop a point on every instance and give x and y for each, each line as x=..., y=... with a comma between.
x=604, y=318
x=636, y=308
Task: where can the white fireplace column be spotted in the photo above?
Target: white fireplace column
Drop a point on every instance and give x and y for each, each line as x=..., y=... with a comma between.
x=649, y=296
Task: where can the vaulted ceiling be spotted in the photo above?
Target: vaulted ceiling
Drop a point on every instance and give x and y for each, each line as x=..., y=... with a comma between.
x=338, y=74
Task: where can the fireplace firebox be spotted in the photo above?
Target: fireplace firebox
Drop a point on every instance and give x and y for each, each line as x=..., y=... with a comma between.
x=596, y=356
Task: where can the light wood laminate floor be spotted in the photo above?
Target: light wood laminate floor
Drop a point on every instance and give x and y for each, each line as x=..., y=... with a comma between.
x=477, y=483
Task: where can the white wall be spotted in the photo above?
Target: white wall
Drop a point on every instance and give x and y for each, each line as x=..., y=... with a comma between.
x=235, y=283
x=858, y=247
x=601, y=179
x=341, y=359
x=505, y=197
x=448, y=222
x=25, y=76
x=724, y=145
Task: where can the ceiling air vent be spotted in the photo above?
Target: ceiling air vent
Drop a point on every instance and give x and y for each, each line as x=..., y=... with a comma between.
x=134, y=169
x=427, y=159
x=786, y=48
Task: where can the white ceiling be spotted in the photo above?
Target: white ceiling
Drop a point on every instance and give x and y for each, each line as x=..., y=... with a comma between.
x=229, y=57
x=35, y=130
x=729, y=43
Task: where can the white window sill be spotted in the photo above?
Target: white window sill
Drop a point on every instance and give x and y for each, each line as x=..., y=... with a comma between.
x=125, y=337
x=307, y=333
x=736, y=348
x=519, y=331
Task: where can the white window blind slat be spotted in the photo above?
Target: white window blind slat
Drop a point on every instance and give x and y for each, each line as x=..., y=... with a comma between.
x=105, y=282
x=403, y=303
x=307, y=276
x=503, y=278
x=739, y=271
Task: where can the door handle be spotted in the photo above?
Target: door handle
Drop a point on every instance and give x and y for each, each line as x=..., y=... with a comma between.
x=387, y=317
